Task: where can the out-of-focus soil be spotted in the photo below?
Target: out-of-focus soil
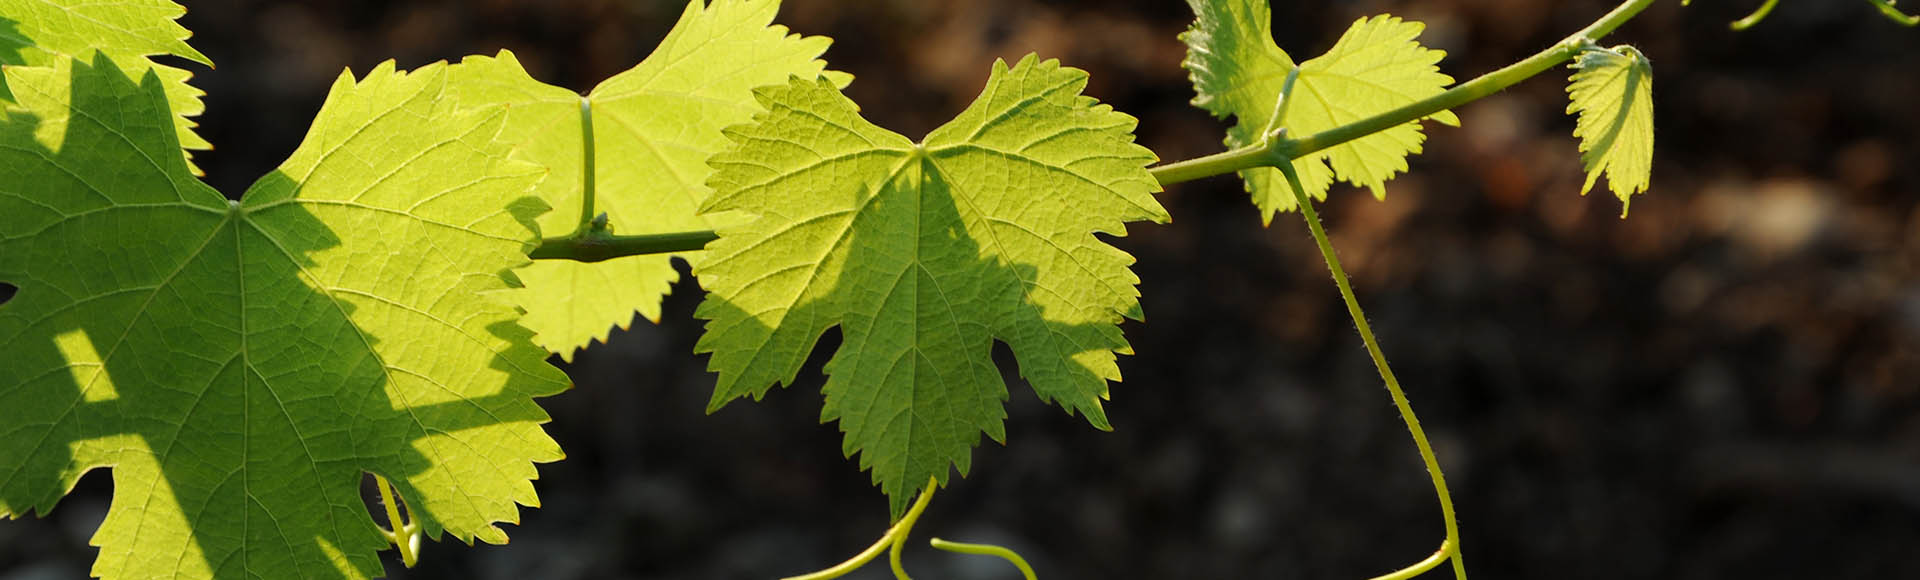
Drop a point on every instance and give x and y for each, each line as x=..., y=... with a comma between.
x=1723, y=385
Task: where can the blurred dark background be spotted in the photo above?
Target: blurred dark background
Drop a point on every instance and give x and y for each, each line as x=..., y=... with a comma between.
x=1723, y=385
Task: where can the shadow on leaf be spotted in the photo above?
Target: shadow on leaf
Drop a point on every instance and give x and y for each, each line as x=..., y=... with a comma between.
x=919, y=304
x=228, y=375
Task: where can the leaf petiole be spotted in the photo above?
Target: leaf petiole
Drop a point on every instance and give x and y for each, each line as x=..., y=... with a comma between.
x=405, y=534
x=587, y=177
x=1279, y=117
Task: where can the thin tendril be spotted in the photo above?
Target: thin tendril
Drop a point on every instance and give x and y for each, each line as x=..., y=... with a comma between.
x=1422, y=566
x=1452, y=545
x=1887, y=9
x=987, y=550
x=1755, y=17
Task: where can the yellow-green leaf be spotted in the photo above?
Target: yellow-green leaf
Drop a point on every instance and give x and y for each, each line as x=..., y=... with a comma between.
x=924, y=254
x=654, y=126
x=241, y=366
x=46, y=32
x=1376, y=66
x=1612, y=92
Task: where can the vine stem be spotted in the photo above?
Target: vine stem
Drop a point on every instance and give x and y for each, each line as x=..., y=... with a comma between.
x=595, y=246
x=1450, y=549
x=588, y=244
x=892, y=542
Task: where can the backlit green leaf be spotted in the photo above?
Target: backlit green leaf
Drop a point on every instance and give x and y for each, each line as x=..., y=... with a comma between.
x=1612, y=91
x=45, y=32
x=1376, y=66
x=924, y=254
x=239, y=367
x=654, y=126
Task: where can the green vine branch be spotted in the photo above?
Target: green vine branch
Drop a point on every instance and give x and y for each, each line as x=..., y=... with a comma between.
x=592, y=243
x=595, y=242
x=1270, y=152
x=599, y=244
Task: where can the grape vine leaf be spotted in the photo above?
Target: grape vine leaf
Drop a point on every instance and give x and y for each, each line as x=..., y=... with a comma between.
x=240, y=366
x=1612, y=92
x=43, y=32
x=654, y=127
x=924, y=254
x=1376, y=66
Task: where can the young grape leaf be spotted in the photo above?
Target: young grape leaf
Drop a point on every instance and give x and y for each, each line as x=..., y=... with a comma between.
x=44, y=32
x=654, y=126
x=1612, y=91
x=239, y=367
x=924, y=254
x=1376, y=66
